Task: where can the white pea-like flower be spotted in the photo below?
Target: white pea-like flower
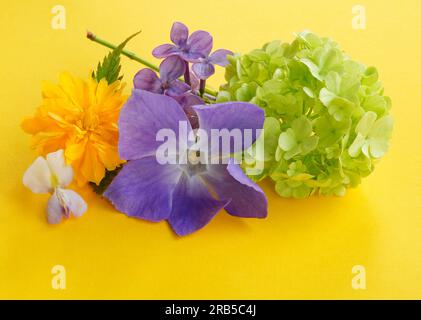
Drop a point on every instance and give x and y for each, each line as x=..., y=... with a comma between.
x=52, y=175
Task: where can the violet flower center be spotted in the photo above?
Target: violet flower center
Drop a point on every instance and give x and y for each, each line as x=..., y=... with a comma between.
x=194, y=164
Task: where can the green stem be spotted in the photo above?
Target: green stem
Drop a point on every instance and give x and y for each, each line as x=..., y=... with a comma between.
x=133, y=56
x=125, y=52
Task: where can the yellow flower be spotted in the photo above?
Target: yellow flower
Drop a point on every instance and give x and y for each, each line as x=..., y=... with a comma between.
x=81, y=118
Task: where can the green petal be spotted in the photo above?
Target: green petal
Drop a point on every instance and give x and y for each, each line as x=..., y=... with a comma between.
x=272, y=130
x=309, y=144
x=292, y=153
x=302, y=128
x=330, y=131
x=258, y=55
x=245, y=93
x=313, y=68
x=287, y=140
x=330, y=60
x=309, y=92
x=301, y=192
x=378, y=147
x=333, y=82
x=326, y=97
x=272, y=87
x=370, y=76
x=355, y=148
x=283, y=189
x=366, y=123
x=341, y=109
x=223, y=96
x=377, y=104
x=382, y=128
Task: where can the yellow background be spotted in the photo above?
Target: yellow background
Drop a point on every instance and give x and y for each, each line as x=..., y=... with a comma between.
x=304, y=249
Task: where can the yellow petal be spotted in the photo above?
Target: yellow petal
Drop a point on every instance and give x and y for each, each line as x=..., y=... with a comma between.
x=80, y=117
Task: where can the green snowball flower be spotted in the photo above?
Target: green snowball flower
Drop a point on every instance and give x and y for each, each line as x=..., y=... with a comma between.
x=327, y=119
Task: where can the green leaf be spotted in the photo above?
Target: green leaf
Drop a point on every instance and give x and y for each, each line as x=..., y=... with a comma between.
x=106, y=181
x=110, y=66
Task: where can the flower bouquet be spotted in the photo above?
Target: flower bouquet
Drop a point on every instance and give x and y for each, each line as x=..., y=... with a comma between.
x=303, y=114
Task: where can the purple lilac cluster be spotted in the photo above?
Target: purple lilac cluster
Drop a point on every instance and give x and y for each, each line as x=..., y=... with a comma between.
x=194, y=49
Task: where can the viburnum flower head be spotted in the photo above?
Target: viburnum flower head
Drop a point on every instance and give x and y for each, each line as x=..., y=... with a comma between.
x=327, y=119
x=187, y=195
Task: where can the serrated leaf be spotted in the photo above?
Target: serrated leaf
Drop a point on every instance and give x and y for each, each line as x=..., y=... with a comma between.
x=110, y=66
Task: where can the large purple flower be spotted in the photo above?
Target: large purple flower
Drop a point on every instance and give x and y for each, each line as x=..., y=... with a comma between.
x=187, y=195
x=170, y=70
x=190, y=48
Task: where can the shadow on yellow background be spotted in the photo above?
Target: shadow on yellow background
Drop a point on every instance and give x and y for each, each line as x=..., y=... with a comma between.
x=304, y=249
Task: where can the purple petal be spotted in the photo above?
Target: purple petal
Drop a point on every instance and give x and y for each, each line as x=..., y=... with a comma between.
x=190, y=100
x=200, y=42
x=179, y=34
x=177, y=88
x=187, y=102
x=193, y=206
x=146, y=79
x=203, y=70
x=247, y=198
x=242, y=117
x=219, y=57
x=55, y=211
x=75, y=203
x=165, y=50
x=191, y=56
x=194, y=82
x=143, y=115
x=171, y=68
x=144, y=189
